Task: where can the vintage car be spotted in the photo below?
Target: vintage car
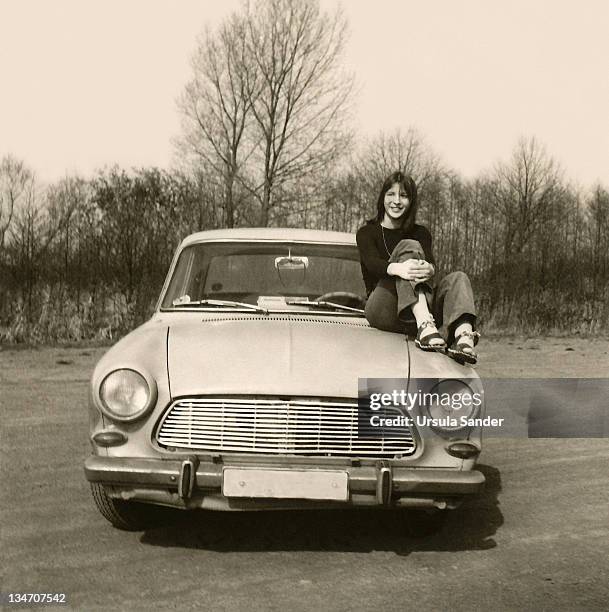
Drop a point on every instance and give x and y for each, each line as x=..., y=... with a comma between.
x=250, y=386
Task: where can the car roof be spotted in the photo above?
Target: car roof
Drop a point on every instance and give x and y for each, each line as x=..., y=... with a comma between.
x=272, y=234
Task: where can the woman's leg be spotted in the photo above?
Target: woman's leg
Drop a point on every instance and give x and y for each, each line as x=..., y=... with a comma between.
x=382, y=307
x=414, y=298
x=409, y=292
x=395, y=301
x=454, y=308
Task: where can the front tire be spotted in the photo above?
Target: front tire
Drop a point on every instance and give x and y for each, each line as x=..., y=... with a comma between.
x=125, y=515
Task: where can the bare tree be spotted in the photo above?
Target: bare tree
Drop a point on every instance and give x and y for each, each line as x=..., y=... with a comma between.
x=66, y=204
x=14, y=181
x=527, y=191
x=301, y=112
x=356, y=189
x=267, y=105
x=398, y=150
x=598, y=223
x=31, y=235
x=216, y=107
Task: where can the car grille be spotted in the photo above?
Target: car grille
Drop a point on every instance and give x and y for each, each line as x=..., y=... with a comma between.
x=277, y=426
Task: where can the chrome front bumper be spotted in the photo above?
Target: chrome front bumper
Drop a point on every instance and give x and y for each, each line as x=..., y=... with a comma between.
x=188, y=483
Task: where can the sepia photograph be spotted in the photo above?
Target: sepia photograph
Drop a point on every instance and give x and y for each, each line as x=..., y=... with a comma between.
x=304, y=305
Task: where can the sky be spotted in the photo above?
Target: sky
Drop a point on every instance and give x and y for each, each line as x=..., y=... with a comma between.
x=89, y=83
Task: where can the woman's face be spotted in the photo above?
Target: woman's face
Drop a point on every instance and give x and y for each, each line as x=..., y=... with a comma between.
x=396, y=202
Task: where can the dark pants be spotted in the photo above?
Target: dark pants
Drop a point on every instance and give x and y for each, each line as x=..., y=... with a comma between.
x=388, y=306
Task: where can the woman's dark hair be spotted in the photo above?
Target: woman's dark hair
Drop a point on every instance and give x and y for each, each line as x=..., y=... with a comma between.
x=410, y=187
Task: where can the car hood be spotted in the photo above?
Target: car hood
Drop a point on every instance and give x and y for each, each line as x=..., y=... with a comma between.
x=302, y=355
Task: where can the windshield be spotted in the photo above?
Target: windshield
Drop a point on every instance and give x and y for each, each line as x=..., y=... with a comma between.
x=272, y=275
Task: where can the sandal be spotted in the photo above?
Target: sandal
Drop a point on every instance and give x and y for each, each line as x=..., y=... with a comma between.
x=423, y=343
x=458, y=349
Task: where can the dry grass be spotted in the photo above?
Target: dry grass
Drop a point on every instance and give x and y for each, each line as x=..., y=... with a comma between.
x=58, y=317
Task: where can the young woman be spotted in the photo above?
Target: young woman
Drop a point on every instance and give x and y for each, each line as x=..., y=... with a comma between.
x=398, y=268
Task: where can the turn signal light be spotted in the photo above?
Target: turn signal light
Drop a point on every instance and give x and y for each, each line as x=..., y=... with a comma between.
x=109, y=438
x=463, y=450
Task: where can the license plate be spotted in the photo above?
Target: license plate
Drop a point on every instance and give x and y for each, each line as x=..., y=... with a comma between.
x=285, y=484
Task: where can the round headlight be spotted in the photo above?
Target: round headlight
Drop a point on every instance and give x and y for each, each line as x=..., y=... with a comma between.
x=449, y=403
x=125, y=394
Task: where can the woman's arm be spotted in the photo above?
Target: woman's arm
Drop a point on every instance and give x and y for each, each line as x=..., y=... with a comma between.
x=378, y=266
x=410, y=270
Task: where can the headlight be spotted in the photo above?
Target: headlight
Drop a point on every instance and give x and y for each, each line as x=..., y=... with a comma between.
x=125, y=394
x=450, y=403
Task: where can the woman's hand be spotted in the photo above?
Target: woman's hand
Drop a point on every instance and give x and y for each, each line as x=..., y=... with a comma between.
x=428, y=270
x=417, y=270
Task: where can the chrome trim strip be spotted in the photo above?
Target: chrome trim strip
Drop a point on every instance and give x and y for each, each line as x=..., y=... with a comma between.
x=187, y=481
x=383, y=486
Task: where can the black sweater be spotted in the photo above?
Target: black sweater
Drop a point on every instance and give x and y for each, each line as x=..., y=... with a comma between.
x=373, y=255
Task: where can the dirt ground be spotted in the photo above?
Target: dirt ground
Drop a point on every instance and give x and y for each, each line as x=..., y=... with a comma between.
x=544, y=358
x=536, y=539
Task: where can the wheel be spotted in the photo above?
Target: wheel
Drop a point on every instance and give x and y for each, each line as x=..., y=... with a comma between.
x=125, y=515
x=345, y=298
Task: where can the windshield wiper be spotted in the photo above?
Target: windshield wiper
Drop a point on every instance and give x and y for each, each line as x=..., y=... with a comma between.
x=322, y=304
x=227, y=303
